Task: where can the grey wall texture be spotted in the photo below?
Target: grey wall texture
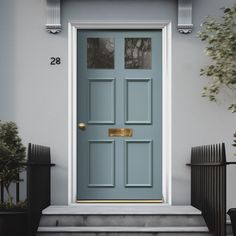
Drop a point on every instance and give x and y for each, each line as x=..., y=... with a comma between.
x=35, y=94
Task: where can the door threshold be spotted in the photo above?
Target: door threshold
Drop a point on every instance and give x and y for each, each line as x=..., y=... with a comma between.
x=119, y=201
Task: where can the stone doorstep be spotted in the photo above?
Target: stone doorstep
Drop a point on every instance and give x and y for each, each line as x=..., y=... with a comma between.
x=120, y=209
x=124, y=229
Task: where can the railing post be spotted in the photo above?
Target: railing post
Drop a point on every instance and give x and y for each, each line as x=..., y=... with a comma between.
x=38, y=183
x=2, y=192
x=208, y=190
x=17, y=191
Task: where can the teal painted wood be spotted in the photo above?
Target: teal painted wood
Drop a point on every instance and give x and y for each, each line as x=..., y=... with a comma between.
x=120, y=167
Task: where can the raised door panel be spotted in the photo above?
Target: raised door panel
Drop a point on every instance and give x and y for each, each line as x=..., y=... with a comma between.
x=138, y=101
x=101, y=97
x=138, y=163
x=101, y=163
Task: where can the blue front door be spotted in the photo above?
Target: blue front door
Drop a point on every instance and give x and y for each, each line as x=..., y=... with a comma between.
x=119, y=117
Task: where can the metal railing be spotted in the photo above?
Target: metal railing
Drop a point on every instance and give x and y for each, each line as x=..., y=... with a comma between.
x=38, y=169
x=208, y=185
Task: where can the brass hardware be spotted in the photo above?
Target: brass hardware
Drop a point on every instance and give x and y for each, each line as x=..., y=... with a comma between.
x=119, y=201
x=82, y=126
x=122, y=132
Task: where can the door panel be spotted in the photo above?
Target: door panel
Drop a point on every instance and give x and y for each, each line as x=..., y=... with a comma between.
x=138, y=101
x=101, y=156
x=101, y=96
x=138, y=163
x=119, y=86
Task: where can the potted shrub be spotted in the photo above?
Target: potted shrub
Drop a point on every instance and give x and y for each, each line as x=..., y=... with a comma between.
x=220, y=35
x=13, y=215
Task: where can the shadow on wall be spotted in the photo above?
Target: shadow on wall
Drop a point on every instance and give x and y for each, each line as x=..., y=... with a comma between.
x=73, y=10
x=8, y=74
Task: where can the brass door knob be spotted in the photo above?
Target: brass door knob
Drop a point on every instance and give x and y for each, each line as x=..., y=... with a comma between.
x=82, y=126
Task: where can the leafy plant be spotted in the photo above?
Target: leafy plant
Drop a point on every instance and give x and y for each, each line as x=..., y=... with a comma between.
x=12, y=158
x=220, y=35
x=9, y=205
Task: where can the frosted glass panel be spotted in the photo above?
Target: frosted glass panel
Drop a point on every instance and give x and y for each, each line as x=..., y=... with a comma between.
x=138, y=53
x=100, y=53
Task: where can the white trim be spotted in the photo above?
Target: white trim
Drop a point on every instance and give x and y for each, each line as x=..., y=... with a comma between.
x=165, y=26
x=166, y=114
x=72, y=117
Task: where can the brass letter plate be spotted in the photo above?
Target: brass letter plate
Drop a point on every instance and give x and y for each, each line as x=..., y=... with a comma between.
x=122, y=132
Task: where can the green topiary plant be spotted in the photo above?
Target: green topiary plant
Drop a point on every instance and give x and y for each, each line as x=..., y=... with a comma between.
x=12, y=159
x=220, y=35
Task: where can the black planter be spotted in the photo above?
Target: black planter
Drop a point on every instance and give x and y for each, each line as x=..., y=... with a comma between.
x=13, y=223
x=232, y=213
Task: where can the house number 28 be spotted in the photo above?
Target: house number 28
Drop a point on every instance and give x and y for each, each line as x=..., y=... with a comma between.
x=55, y=61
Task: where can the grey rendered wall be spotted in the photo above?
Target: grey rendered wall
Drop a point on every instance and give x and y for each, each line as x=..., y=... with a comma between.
x=34, y=94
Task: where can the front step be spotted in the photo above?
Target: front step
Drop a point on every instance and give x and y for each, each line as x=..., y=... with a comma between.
x=149, y=215
x=123, y=231
x=122, y=220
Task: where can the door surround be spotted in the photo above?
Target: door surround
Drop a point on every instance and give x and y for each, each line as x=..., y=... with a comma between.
x=165, y=26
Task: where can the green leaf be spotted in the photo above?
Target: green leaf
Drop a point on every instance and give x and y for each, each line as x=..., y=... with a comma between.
x=219, y=35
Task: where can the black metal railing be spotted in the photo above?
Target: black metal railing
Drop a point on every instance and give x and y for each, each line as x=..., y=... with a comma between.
x=38, y=169
x=208, y=185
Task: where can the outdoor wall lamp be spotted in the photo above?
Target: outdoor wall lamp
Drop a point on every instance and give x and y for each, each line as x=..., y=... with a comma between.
x=184, y=26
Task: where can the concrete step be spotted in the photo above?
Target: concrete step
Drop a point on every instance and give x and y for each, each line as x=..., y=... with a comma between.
x=122, y=220
x=118, y=215
x=123, y=231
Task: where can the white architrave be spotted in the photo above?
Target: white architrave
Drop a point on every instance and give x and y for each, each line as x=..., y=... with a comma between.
x=166, y=98
x=53, y=24
x=185, y=24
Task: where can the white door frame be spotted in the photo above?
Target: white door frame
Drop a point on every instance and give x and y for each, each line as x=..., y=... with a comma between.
x=165, y=26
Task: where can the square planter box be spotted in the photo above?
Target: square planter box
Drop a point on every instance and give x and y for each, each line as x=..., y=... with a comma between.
x=13, y=223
